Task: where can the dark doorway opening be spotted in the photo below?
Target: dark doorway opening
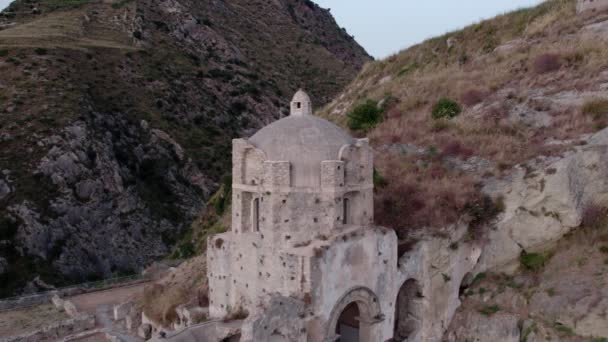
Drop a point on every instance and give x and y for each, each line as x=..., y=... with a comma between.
x=348, y=326
x=407, y=310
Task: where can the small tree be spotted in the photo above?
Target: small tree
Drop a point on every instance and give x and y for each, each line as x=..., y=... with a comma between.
x=365, y=116
x=446, y=108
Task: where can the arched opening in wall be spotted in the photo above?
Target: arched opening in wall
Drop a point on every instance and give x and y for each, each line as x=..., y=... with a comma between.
x=246, y=212
x=348, y=327
x=345, y=210
x=354, y=317
x=255, y=215
x=408, y=310
x=351, y=208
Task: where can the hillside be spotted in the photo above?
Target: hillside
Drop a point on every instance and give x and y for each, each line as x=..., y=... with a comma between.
x=525, y=84
x=500, y=127
x=116, y=119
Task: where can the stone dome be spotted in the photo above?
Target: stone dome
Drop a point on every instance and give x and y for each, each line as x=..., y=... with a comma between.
x=305, y=141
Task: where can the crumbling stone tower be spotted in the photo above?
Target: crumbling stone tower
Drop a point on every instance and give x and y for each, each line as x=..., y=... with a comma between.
x=303, y=259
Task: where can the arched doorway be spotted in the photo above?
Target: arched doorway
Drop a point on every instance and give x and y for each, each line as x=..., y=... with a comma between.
x=354, y=316
x=408, y=310
x=348, y=326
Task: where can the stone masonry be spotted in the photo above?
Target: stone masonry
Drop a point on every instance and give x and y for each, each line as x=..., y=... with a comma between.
x=303, y=260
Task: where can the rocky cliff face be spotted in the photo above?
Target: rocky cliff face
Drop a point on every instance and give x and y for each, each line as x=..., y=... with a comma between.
x=117, y=117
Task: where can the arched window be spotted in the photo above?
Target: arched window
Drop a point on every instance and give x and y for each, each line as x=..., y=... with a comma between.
x=255, y=217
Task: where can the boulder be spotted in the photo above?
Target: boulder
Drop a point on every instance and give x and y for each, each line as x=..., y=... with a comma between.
x=145, y=331
x=133, y=319
x=474, y=326
x=544, y=199
x=58, y=302
x=5, y=189
x=191, y=315
x=122, y=310
x=70, y=308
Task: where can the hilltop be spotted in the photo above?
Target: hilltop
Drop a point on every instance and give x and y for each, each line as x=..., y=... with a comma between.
x=116, y=119
x=525, y=84
x=499, y=128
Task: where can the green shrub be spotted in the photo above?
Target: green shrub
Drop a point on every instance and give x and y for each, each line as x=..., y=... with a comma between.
x=186, y=250
x=596, y=108
x=408, y=69
x=564, y=329
x=365, y=116
x=446, y=108
x=14, y=61
x=222, y=199
x=600, y=339
x=3, y=52
x=379, y=180
x=40, y=51
x=489, y=310
x=120, y=3
x=532, y=261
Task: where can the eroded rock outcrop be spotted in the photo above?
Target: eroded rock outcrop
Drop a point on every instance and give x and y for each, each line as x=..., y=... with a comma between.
x=544, y=199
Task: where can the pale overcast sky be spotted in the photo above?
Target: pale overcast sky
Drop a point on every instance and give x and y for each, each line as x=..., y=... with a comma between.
x=384, y=27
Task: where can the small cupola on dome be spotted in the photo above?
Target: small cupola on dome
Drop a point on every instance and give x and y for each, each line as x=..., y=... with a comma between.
x=301, y=105
x=302, y=139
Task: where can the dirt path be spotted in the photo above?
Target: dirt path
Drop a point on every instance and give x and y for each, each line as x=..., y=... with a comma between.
x=89, y=302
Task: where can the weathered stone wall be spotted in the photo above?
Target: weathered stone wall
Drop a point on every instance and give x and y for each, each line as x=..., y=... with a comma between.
x=591, y=5
x=367, y=257
x=438, y=265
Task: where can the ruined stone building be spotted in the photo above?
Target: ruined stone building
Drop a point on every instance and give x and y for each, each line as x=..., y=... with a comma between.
x=303, y=255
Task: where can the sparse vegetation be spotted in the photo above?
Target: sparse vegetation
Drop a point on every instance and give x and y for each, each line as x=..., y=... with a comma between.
x=489, y=310
x=594, y=217
x=446, y=108
x=472, y=97
x=488, y=87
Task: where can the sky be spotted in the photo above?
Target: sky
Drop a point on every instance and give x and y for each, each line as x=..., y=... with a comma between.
x=384, y=27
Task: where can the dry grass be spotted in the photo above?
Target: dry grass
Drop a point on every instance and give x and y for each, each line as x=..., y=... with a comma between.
x=185, y=285
x=543, y=60
x=18, y=322
x=68, y=29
